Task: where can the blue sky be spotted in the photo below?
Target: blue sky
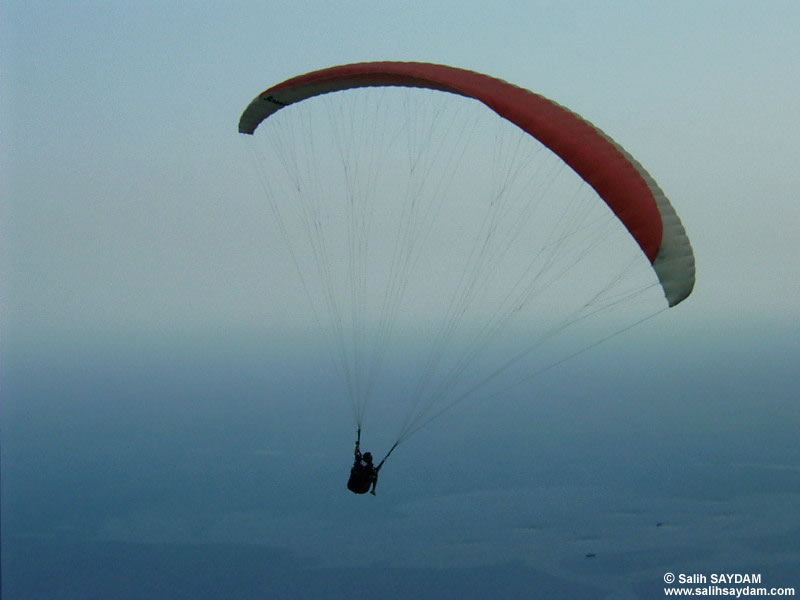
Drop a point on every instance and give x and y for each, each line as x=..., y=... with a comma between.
x=133, y=257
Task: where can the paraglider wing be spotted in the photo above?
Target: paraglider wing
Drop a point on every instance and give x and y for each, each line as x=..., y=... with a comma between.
x=619, y=180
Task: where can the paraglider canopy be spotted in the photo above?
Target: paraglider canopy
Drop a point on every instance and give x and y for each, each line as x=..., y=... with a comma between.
x=618, y=179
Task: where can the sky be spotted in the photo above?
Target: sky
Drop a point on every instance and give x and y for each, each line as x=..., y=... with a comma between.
x=156, y=411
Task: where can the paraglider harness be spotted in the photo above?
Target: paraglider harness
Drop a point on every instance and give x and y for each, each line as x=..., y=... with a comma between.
x=364, y=474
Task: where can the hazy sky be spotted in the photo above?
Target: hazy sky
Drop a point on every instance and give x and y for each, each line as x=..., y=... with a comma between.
x=130, y=211
x=127, y=194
